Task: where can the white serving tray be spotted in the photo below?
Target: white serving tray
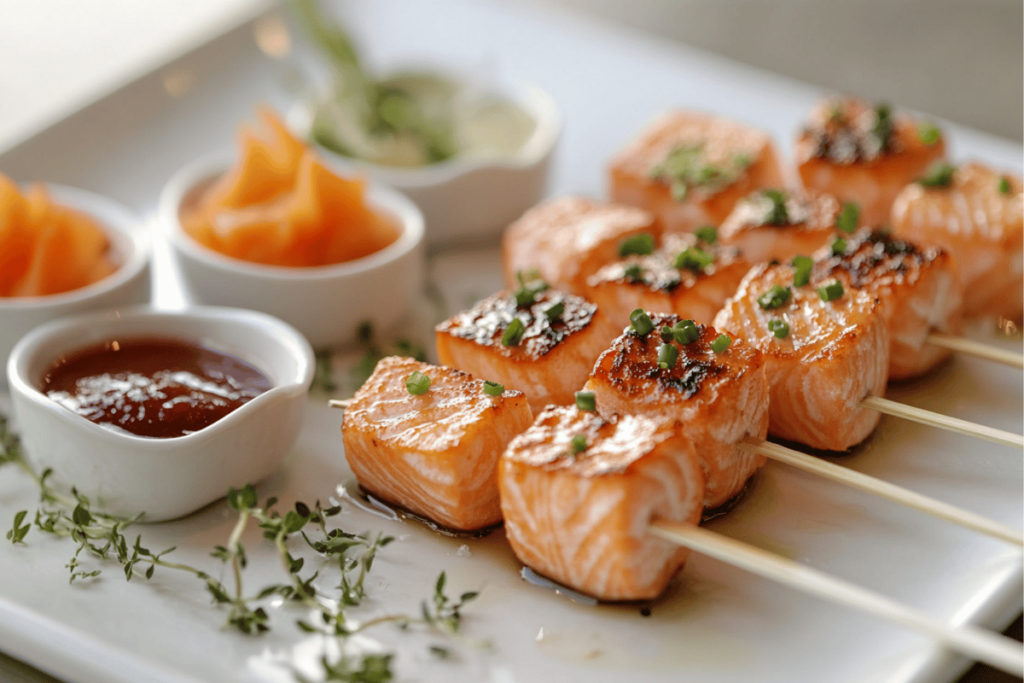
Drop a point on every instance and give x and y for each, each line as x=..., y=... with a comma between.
x=720, y=624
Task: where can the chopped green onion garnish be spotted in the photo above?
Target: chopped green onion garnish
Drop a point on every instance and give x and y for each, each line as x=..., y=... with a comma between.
x=686, y=332
x=721, y=343
x=939, y=175
x=802, y=266
x=777, y=211
x=1004, y=185
x=634, y=272
x=493, y=388
x=679, y=190
x=848, y=215
x=694, y=259
x=667, y=333
x=831, y=291
x=641, y=322
x=417, y=383
x=554, y=311
x=779, y=327
x=527, y=293
x=667, y=356
x=579, y=444
x=774, y=297
x=708, y=233
x=585, y=400
x=882, y=130
x=928, y=133
x=838, y=246
x=513, y=333
x=641, y=244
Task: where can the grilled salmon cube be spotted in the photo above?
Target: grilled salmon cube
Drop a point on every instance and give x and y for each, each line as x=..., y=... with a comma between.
x=864, y=154
x=978, y=217
x=776, y=225
x=548, y=361
x=578, y=492
x=718, y=398
x=684, y=275
x=564, y=241
x=690, y=168
x=832, y=355
x=435, y=454
x=919, y=287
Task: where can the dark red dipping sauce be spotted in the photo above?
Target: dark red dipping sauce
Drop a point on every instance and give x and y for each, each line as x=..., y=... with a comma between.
x=159, y=388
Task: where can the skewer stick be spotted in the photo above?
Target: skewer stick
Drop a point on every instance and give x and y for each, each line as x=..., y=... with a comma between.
x=895, y=493
x=985, y=646
x=974, y=348
x=927, y=417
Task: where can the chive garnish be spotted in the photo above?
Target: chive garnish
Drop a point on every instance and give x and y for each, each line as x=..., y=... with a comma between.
x=417, y=383
x=939, y=175
x=778, y=327
x=882, y=129
x=774, y=297
x=838, y=246
x=685, y=332
x=848, y=215
x=513, y=333
x=802, y=266
x=721, y=343
x=928, y=133
x=667, y=334
x=642, y=245
x=554, y=311
x=1004, y=185
x=493, y=388
x=633, y=273
x=585, y=400
x=578, y=444
x=667, y=356
x=707, y=233
x=641, y=322
x=694, y=259
x=776, y=214
x=831, y=291
x=527, y=293
x=686, y=166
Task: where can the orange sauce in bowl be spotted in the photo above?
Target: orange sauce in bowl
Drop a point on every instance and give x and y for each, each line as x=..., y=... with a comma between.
x=279, y=205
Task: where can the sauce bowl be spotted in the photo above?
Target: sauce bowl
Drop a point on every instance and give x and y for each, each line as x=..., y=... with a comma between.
x=126, y=475
x=327, y=304
x=128, y=285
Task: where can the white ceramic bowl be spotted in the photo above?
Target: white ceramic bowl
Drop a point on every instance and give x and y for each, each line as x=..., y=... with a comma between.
x=325, y=303
x=164, y=478
x=128, y=285
x=464, y=199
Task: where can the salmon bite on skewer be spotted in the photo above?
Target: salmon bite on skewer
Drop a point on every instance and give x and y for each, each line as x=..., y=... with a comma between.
x=668, y=367
x=578, y=492
x=690, y=168
x=428, y=439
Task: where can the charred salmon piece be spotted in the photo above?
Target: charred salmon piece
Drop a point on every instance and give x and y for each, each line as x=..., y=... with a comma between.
x=919, y=286
x=821, y=357
x=718, y=398
x=548, y=360
x=684, y=275
x=978, y=217
x=776, y=225
x=578, y=492
x=690, y=168
x=435, y=454
x=864, y=154
x=563, y=241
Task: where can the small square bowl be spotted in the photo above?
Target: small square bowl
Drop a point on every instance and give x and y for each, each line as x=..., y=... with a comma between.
x=327, y=304
x=129, y=285
x=161, y=479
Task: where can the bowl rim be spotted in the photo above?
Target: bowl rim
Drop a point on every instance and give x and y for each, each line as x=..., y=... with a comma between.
x=533, y=99
x=119, y=223
x=214, y=164
x=277, y=331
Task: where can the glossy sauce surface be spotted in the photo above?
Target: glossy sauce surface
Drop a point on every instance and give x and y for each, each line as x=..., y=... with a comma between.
x=159, y=388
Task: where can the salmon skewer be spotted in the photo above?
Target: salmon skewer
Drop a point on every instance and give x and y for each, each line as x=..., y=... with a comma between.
x=720, y=397
x=977, y=215
x=685, y=275
x=564, y=241
x=436, y=453
x=690, y=168
x=543, y=345
x=776, y=225
x=864, y=154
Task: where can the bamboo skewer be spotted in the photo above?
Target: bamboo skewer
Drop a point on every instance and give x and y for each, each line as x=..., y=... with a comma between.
x=977, y=643
x=969, y=346
x=895, y=493
x=927, y=417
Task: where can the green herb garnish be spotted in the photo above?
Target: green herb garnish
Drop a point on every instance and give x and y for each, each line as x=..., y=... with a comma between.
x=831, y=291
x=939, y=175
x=493, y=388
x=776, y=213
x=686, y=166
x=778, y=327
x=667, y=356
x=881, y=130
x=838, y=246
x=686, y=332
x=640, y=322
x=585, y=400
x=526, y=294
x=693, y=259
x=774, y=297
x=1004, y=185
x=554, y=311
x=708, y=234
x=847, y=218
x=802, y=266
x=633, y=273
x=928, y=133
x=578, y=444
x=641, y=245
x=417, y=383
x=513, y=333
x=721, y=343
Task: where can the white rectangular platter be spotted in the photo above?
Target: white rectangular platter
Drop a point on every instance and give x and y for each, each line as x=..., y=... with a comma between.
x=719, y=624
